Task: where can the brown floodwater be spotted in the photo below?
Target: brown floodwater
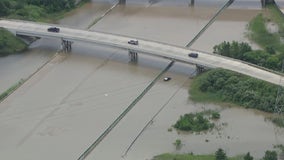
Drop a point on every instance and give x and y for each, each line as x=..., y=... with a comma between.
x=19, y=66
x=66, y=106
x=230, y=26
x=82, y=17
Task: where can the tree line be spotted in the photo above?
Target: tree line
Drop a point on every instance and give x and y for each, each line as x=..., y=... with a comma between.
x=233, y=87
x=220, y=154
x=266, y=58
x=33, y=9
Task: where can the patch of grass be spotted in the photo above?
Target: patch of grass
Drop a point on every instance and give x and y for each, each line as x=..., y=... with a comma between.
x=259, y=33
x=277, y=16
x=261, y=36
x=11, y=89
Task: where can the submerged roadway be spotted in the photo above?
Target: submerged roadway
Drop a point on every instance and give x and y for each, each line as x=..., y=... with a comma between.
x=169, y=51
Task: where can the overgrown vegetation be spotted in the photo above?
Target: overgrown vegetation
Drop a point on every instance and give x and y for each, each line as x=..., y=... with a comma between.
x=258, y=31
x=221, y=85
x=276, y=17
x=243, y=51
x=191, y=156
x=197, y=122
x=270, y=155
x=35, y=10
x=9, y=43
x=273, y=47
x=178, y=144
x=220, y=154
x=278, y=120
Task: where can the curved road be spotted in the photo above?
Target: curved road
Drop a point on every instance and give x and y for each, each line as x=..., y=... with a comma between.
x=145, y=46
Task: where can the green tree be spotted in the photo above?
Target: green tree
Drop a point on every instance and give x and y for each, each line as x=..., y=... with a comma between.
x=270, y=155
x=220, y=154
x=270, y=49
x=222, y=49
x=273, y=62
x=248, y=157
x=4, y=10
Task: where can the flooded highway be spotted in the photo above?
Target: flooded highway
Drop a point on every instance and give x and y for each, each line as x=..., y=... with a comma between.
x=60, y=111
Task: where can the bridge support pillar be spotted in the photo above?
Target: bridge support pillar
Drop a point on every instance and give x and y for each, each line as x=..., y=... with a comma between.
x=66, y=46
x=133, y=56
x=266, y=2
x=200, y=69
x=192, y=3
x=122, y=2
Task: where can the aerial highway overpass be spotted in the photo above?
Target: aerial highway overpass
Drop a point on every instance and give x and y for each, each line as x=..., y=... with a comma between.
x=158, y=49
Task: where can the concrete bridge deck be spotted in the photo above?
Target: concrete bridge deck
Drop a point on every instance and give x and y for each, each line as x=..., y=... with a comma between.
x=172, y=52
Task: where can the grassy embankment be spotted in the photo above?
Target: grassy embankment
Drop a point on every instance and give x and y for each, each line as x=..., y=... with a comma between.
x=260, y=34
x=168, y=156
x=10, y=44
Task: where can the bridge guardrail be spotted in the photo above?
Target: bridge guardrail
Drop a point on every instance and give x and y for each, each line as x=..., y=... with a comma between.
x=163, y=43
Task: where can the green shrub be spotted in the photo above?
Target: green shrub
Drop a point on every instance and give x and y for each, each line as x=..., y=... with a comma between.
x=193, y=122
x=215, y=115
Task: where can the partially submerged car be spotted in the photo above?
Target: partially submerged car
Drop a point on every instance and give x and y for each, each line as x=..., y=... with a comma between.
x=167, y=78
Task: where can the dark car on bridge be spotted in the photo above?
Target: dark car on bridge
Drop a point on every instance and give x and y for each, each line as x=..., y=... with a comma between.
x=53, y=29
x=133, y=42
x=193, y=55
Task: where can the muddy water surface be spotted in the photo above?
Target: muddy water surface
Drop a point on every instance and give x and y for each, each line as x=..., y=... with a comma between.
x=230, y=26
x=175, y=25
x=15, y=67
x=82, y=17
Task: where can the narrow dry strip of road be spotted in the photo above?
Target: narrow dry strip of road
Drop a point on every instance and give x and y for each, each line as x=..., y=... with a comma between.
x=226, y=5
x=119, y=118
x=102, y=16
